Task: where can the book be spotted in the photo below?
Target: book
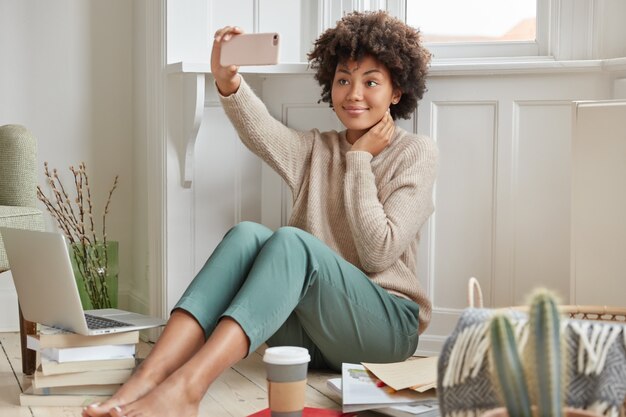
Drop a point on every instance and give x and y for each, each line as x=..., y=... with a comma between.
x=114, y=376
x=362, y=391
x=51, y=337
x=419, y=374
x=88, y=353
x=50, y=367
x=29, y=399
x=308, y=412
x=85, y=353
x=78, y=390
x=422, y=408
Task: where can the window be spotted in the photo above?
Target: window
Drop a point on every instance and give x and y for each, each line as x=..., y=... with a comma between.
x=479, y=28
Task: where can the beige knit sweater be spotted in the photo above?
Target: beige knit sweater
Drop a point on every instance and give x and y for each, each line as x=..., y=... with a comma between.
x=368, y=209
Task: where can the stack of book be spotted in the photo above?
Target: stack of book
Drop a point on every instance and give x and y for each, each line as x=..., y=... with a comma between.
x=77, y=370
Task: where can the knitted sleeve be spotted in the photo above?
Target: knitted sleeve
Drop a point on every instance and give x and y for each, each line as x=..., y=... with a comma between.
x=285, y=150
x=385, y=220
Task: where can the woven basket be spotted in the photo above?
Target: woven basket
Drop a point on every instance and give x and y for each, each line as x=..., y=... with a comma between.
x=579, y=312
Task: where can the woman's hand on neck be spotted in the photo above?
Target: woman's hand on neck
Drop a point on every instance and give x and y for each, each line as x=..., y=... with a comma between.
x=374, y=140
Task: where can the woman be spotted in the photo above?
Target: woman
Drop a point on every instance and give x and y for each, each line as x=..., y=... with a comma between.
x=341, y=280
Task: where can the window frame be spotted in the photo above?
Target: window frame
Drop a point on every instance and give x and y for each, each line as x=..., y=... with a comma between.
x=540, y=48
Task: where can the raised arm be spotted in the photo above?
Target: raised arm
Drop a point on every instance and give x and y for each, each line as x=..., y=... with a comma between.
x=282, y=148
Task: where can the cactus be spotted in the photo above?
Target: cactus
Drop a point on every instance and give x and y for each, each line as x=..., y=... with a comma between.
x=545, y=356
x=541, y=371
x=508, y=368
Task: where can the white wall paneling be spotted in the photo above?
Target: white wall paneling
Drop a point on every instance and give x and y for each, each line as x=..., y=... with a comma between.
x=609, y=31
x=147, y=293
x=502, y=194
x=464, y=222
x=598, y=203
x=220, y=15
x=179, y=208
x=588, y=29
x=575, y=28
x=462, y=228
x=271, y=18
x=540, y=197
x=188, y=35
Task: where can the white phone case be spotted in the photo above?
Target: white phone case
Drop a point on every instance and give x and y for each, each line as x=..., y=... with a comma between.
x=251, y=49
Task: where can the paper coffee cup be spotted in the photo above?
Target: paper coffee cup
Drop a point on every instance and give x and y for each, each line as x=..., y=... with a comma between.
x=286, y=368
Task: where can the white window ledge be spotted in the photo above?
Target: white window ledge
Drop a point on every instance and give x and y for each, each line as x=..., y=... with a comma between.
x=443, y=67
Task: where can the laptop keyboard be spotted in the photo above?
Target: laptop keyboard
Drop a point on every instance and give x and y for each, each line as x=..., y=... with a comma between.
x=94, y=322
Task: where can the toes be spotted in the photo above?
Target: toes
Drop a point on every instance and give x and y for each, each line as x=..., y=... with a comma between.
x=117, y=411
x=91, y=410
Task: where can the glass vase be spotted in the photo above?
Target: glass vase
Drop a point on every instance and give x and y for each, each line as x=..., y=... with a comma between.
x=96, y=270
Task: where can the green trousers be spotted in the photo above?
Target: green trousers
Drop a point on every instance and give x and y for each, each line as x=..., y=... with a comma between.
x=289, y=288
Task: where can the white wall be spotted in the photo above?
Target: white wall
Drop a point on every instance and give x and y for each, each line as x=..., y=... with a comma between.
x=66, y=74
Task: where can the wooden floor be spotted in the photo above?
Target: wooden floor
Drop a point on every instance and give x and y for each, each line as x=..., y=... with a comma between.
x=238, y=392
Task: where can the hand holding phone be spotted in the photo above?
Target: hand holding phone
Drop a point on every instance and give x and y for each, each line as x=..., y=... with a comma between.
x=250, y=49
x=227, y=78
x=226, y=72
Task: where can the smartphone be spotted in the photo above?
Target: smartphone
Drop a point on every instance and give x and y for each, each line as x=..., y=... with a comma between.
x=251, y=49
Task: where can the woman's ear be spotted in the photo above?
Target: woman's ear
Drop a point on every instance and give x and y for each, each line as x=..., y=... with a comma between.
x=395, y=97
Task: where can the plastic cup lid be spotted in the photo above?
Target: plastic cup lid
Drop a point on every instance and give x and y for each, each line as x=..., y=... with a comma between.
x=286, y=355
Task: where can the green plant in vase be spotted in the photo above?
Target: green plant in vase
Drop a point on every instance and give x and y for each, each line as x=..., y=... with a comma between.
x=94, y=259
x=97, y=267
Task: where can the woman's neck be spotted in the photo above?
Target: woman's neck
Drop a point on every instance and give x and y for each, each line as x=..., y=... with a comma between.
x=354, y=135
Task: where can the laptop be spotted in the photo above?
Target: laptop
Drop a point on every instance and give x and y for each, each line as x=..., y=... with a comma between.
x=47, y=291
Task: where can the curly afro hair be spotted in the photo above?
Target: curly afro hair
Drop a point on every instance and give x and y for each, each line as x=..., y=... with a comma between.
x=385, y=38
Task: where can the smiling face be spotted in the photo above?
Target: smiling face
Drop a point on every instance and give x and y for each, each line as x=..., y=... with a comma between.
x=361, y=94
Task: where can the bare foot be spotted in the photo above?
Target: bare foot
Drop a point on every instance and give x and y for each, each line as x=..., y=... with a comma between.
x=136, y=387
x=174, y=397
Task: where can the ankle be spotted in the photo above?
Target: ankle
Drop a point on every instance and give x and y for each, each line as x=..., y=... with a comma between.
x=191, y=383
x=151, y=374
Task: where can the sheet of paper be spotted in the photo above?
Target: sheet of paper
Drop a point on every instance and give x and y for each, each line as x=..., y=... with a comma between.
x=413, y=373
x=360, y=391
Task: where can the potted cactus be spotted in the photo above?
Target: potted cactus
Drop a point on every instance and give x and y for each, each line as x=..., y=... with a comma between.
x=531, y=385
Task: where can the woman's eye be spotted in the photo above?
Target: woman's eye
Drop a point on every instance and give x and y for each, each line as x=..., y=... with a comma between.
x=372, y=83
x=342, y=81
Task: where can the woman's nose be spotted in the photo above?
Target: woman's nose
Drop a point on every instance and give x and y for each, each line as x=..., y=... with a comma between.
x=356, y=92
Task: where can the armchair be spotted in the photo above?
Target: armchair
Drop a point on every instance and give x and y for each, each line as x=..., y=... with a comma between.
x=18, y=198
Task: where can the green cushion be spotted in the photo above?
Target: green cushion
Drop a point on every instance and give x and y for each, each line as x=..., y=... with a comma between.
x=19, y=218
x=18, y=167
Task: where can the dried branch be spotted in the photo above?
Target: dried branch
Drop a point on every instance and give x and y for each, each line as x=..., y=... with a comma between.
x=72, y=215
